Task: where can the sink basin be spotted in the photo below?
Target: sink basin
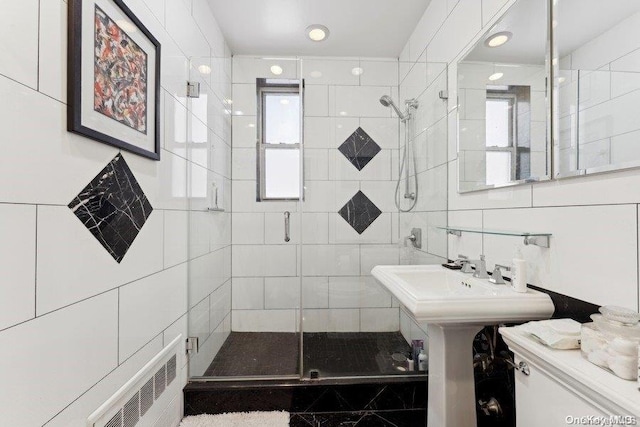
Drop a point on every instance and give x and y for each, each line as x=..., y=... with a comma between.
x=433, y=294
x=455, y=306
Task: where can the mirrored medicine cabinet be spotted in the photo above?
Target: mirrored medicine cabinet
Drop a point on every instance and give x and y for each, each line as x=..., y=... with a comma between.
x=525, y=117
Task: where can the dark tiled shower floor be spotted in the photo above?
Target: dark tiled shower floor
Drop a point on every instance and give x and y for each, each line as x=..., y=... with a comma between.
x=332, y=354
x=256, y=353
x=353, y=353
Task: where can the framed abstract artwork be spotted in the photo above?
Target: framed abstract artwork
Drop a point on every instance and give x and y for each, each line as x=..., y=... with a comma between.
x=113, y=77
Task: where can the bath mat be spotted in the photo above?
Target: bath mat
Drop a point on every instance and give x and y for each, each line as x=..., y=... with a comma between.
x=238, y=419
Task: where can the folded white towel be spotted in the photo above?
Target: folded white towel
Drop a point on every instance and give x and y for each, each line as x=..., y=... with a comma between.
x=563, y=334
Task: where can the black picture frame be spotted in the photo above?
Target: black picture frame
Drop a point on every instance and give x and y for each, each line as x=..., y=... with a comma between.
x=75, y=78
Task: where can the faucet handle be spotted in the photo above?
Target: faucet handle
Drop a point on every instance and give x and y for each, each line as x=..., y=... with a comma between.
x=496, y=276
x=461, y=260
x=481, y=269
x=466, y=266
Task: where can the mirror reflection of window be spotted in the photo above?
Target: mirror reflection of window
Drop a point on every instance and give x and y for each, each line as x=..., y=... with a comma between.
x=508, y=130
x=503, y=102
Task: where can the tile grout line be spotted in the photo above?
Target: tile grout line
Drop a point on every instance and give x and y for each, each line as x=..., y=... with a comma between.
x=118, y=329
x=39, y=47
x=35, y=281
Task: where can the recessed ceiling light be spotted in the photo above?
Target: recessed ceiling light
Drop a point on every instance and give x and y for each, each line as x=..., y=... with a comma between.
x=561, y=79
x=276, y=70
x=315, y=74
x=498, y=39
x=357, y=71
x=251, y=125
x=126, y=26
x=495, y=76
x=284, y=101
x=239, y=113
x=343, y=113
x=317, y=32
x=228, y=101
x=204, y=69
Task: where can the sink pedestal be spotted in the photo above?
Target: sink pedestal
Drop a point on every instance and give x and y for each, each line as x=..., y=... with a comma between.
x=454, y=306
x=452, y=392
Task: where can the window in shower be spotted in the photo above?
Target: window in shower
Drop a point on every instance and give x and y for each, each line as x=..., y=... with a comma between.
x=279, y=139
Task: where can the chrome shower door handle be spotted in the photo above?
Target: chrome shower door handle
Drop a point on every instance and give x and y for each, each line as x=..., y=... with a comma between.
x=287, y=230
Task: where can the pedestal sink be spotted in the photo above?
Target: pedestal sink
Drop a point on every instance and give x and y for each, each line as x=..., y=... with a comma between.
x=455, y=306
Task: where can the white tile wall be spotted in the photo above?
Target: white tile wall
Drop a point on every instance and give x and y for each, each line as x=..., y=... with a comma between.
x=248, y=293
x=264, y=320
x=65, y=353
x=52, y=51
x=58, y=256
x=76, y=413
x=281, y=292
x=17, y=264
x=379, y=319
x=162, y=298
x=21, y=58
x=83, y=323
x=264, y=260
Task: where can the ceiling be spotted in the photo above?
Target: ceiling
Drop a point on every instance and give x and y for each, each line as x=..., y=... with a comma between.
x=360, y=28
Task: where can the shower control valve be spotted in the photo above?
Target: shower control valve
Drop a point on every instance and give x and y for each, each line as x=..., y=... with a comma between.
x=415, y=238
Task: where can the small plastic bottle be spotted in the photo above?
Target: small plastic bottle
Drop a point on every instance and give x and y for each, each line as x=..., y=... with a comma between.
x=422, y=357
x=519, y=273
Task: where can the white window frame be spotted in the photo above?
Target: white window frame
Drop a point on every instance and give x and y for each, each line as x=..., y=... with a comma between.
x=270, y=87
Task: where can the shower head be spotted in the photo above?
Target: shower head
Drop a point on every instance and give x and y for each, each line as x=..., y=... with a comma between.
x=388, y=102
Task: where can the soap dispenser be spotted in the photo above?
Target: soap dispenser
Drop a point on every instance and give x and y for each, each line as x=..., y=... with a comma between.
x=519, y=273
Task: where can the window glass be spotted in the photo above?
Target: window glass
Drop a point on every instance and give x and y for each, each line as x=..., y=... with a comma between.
x=498, y=119
x=281, y=118
x=282, y=173
x=498, y=167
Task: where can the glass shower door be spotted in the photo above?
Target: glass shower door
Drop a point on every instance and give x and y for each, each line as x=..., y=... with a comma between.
x=350, y=324
x=244, y=271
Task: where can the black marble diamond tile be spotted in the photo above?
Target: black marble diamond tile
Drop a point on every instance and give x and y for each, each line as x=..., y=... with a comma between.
x=113, y=207
x=359, y=148
x=360, y=212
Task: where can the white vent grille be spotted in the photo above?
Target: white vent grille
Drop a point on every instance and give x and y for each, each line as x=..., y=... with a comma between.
x=116, y=421
x=146, y=397
x=146, y=393
x=160, y=381
x=131, y=411
x=171, y=369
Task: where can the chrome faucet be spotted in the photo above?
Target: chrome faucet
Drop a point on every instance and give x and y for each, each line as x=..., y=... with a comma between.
x=461, y=260
x=465, y=264
x=496, y=276
x=481, y=268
